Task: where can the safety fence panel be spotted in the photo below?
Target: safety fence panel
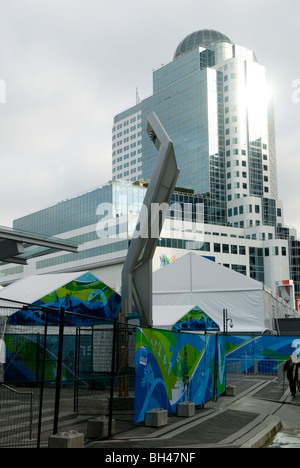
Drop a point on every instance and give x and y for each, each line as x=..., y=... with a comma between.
x=19, y=410
x=47, y=371
x=104, y=372
x=21, y=354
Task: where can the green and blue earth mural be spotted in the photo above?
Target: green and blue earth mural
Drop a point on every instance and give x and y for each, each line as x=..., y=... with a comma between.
x=86, y=297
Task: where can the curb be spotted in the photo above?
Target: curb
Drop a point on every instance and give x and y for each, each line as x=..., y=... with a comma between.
x=264, y=436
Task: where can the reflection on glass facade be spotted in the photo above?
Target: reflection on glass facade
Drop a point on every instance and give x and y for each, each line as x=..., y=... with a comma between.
x=66, y=215
x=215, y=103
x=84, y=210
x=214, y=100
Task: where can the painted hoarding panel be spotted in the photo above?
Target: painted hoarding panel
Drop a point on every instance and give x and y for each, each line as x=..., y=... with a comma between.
x=196, y=319
x=268, y=351
x=174, y=367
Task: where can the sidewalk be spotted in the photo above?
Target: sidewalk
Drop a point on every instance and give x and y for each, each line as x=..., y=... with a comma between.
x=248, y=420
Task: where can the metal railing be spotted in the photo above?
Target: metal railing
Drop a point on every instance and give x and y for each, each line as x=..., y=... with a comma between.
x=249, y=365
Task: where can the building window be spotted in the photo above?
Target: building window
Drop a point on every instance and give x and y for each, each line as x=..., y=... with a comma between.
x=239, y=268
x=225, y=248
x=205, y=247
x=242, y=250
x=234, y=249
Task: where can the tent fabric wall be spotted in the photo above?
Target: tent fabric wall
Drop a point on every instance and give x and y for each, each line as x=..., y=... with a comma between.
x=81, y=293
x=193, y=279
x=32, y=288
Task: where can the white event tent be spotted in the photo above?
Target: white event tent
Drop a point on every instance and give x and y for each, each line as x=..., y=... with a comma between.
x=194, y=280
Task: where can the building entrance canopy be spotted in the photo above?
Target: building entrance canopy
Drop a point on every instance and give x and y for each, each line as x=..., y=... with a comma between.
x=19, y=246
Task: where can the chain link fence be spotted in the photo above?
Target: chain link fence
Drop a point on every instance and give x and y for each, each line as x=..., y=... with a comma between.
x=49, y=374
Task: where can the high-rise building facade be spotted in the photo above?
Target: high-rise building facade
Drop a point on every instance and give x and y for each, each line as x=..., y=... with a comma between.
x=215, y=103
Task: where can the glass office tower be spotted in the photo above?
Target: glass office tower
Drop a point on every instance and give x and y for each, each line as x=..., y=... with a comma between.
x=215, y=103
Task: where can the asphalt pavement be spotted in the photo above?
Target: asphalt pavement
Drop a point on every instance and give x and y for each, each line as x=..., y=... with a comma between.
x=259, y=410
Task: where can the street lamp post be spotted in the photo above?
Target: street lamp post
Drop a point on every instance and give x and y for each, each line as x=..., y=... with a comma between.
x=226, y=319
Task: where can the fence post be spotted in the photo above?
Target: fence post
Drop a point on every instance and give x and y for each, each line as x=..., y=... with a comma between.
x=112, y=378
x=37, y=363
x=42, y=380
x=215, y=369
x=59, y=367
x=76, y=369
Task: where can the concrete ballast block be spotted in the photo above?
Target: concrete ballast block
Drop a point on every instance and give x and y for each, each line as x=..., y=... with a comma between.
x=68, y=439
x=186, y=409
x=156, y=417
x=98, y=427
x=231, y=390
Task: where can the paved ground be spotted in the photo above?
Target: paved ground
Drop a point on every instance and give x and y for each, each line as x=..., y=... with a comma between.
x=248, y=420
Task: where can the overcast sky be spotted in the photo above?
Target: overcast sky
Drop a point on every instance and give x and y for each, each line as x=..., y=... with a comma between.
x=69, y=66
